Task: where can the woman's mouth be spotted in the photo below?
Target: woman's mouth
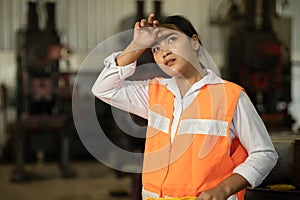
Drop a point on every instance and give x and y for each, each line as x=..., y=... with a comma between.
x=170, y=62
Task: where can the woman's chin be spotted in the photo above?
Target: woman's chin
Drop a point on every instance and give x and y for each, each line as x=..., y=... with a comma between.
x=171, y=71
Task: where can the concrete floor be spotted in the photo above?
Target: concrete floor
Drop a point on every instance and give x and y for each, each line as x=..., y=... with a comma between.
x=93, y=181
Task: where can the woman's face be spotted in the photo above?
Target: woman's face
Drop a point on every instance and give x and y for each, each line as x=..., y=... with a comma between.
x=175, y=52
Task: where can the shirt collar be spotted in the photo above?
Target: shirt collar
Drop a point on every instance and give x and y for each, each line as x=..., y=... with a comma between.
x=209, y=78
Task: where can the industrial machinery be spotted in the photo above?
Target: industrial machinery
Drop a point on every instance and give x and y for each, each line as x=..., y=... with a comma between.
x=258, y=59
x=42, y=93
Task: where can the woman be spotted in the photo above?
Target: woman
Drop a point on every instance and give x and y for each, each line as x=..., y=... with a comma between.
x=204, y=138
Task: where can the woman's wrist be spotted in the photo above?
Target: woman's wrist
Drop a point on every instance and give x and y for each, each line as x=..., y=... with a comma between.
x=136, y=46
x=132, y=52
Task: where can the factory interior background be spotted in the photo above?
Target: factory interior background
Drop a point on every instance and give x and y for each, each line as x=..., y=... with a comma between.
x=46, y=80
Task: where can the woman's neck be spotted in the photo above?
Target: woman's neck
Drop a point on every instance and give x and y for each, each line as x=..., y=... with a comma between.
x=185, y=82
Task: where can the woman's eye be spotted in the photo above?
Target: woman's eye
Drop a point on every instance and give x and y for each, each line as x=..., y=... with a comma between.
x=171, y=40
x=155, y=49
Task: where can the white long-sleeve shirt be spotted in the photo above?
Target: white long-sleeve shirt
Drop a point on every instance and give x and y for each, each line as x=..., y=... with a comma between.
x=132, y=96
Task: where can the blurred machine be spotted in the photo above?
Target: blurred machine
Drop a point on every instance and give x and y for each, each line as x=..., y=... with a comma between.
x=258, y=58
x=42, y=94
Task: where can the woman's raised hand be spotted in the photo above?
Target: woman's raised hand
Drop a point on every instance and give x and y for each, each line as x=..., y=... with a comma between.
x=145, y=32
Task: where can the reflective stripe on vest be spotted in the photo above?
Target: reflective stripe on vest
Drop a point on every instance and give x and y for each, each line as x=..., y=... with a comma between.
x=198, y=158
x=203, y=126
x=158, y=122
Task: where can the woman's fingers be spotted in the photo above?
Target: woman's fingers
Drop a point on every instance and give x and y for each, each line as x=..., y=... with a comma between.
x=151, y=18
x=151, y=22
x=143, y=23
x=155, y=23
x=137, y=25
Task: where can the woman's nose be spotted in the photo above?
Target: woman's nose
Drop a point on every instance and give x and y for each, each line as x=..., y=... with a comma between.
x=166, y=54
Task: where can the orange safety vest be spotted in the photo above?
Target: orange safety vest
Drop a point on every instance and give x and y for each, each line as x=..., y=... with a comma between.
x=201, y=154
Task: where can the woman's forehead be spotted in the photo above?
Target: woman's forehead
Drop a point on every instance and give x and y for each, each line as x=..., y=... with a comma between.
x=167, y=27
x=167, y=31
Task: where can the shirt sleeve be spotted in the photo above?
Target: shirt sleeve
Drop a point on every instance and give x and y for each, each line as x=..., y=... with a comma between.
x=253, y=135
x=112, y=88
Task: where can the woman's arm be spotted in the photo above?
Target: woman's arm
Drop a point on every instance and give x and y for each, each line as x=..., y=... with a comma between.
x=111, y=87
x=253, y=135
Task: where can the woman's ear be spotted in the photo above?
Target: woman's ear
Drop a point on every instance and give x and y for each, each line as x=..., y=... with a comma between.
x=196, y=44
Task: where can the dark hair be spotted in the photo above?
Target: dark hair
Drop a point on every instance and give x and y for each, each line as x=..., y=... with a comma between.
x=181, y=23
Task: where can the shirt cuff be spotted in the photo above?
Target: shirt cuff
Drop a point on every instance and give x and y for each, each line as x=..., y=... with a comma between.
x=124, y=71
x=248, y=176
x=255, y=172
